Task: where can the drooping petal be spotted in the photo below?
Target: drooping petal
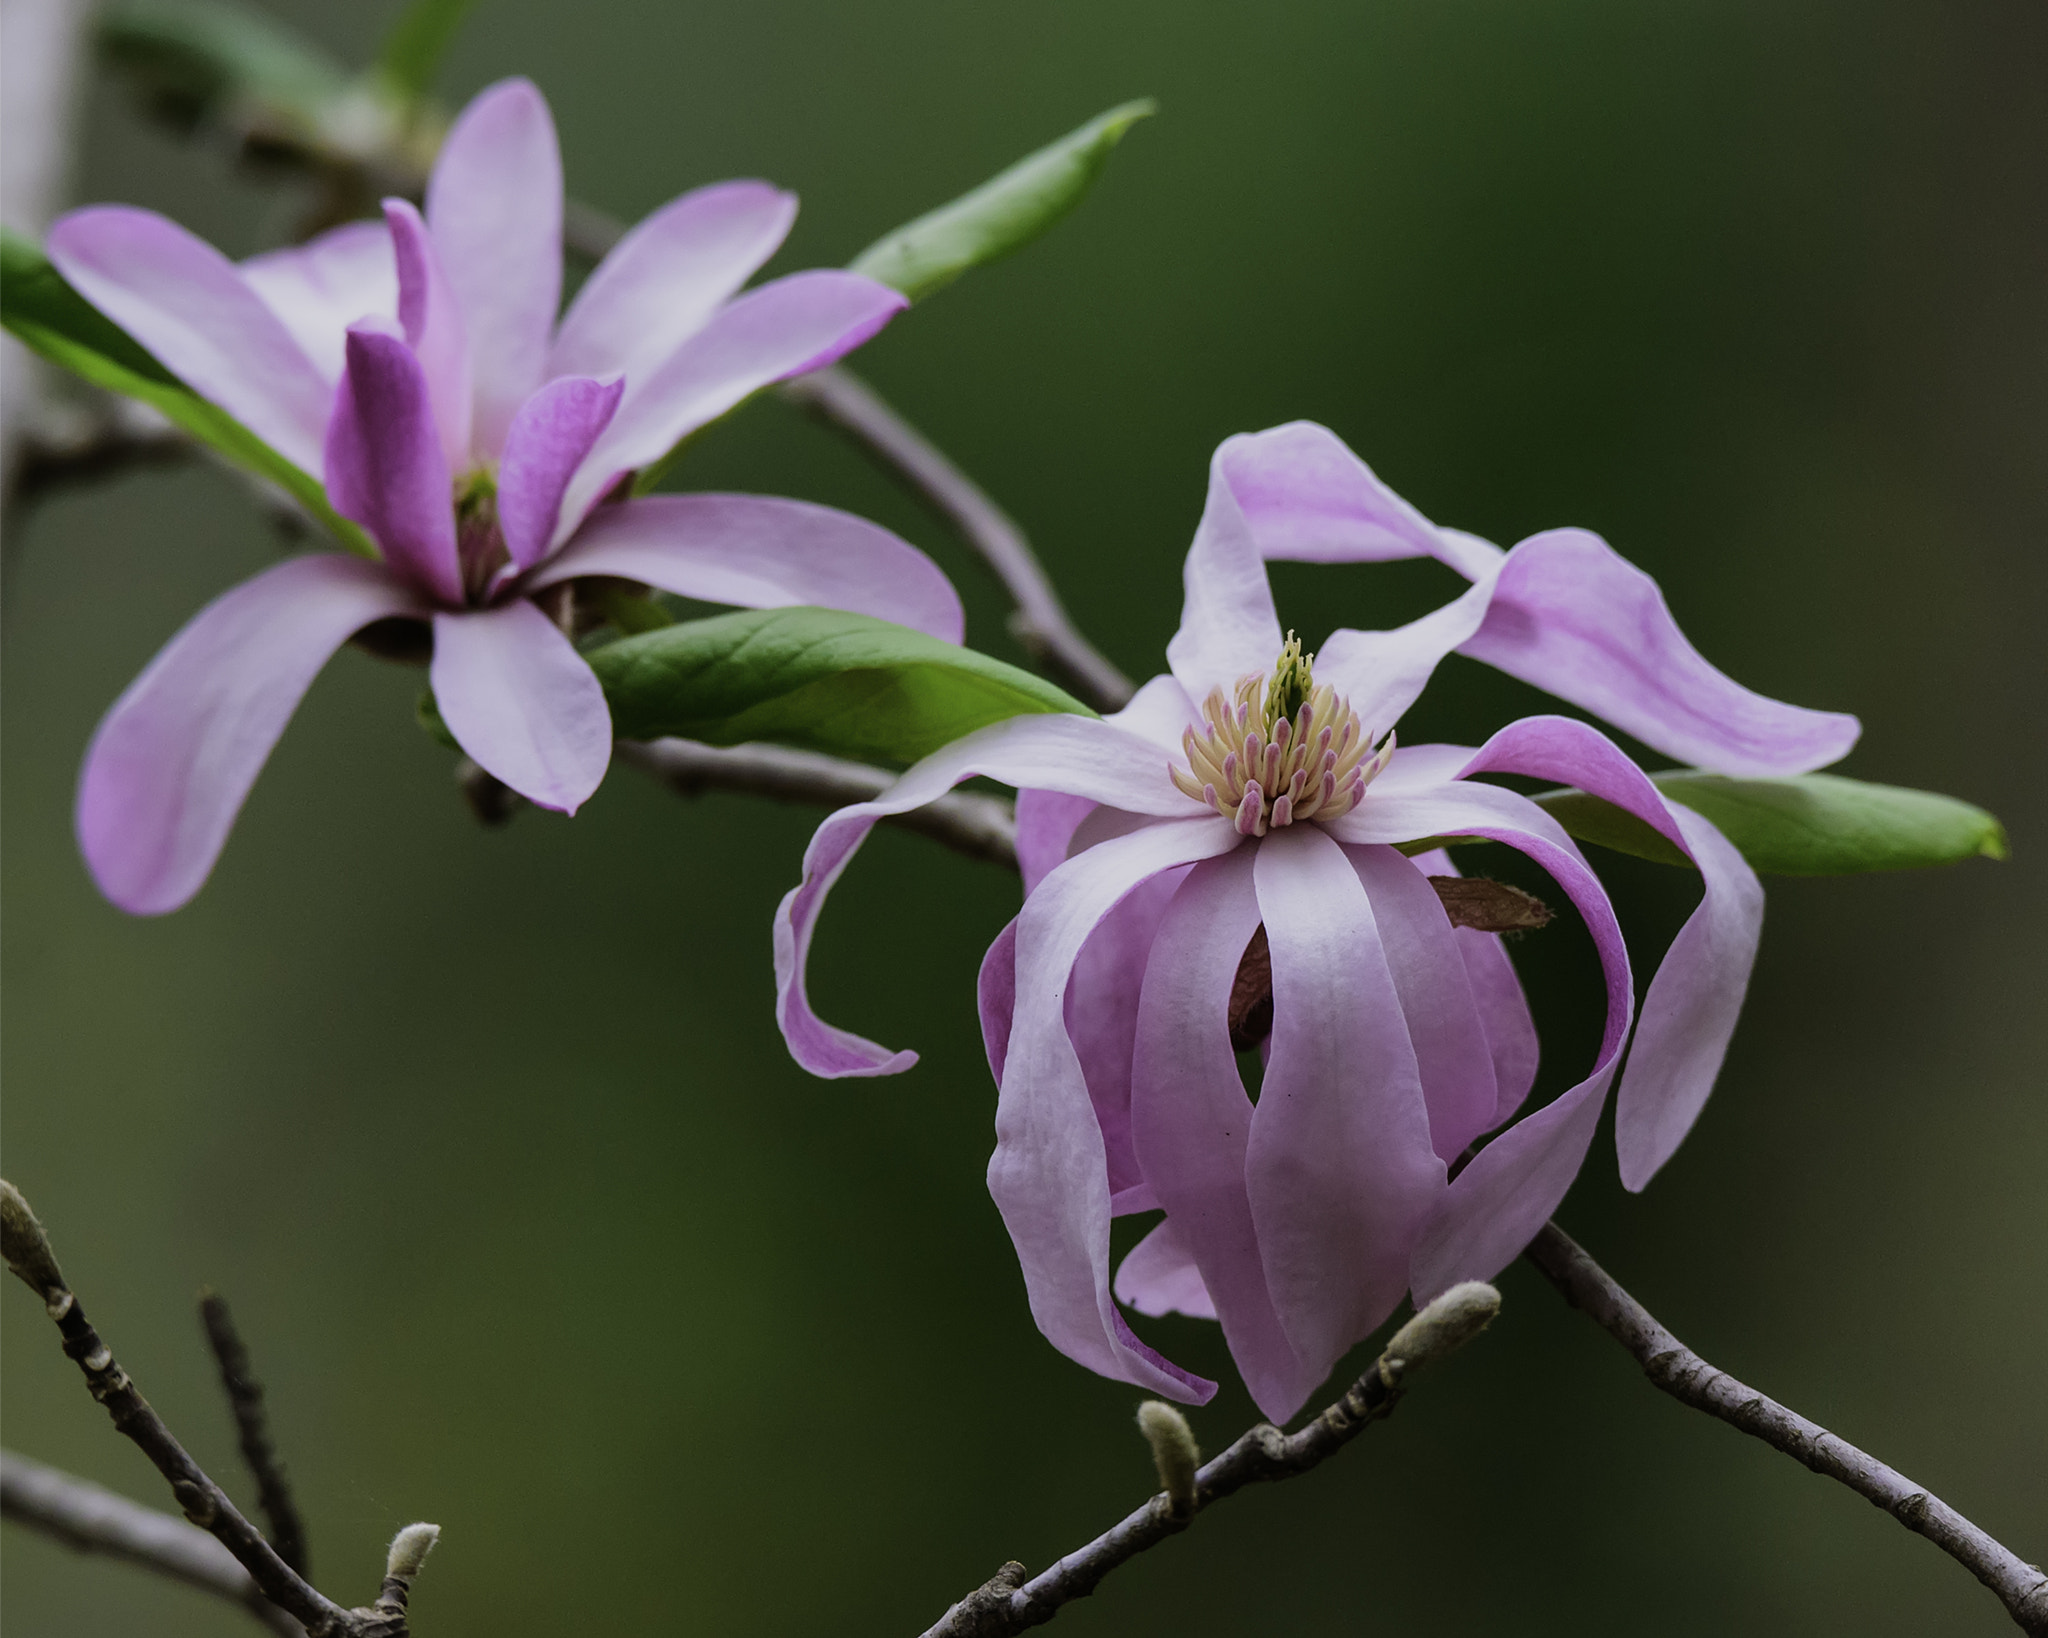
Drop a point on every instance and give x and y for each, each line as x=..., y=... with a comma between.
x=784, y=328
x=1046, y=822
x=191, y=307
x=1228, y=626
x=1503, y=1007
x=1574, y=618
x=171, y=763
x=494, y=203
x=1192, y=1121
x=1444, y=1023
x=520, y=700
x=1690, y=1011
x=1340, y=1170
x=1049, y=1174
x=1158, y=1276
x=431, y=316
x=664, y=280
x=384, y=463
x=995, y=993
x=1498, y=1202
x=1074, y=755
x=763, y=552
x=545, y=444
x=1102, y=1022
x=318, y=289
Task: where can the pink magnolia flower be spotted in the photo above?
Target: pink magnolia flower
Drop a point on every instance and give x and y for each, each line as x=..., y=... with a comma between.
x=418, y=367
x=1234, y=795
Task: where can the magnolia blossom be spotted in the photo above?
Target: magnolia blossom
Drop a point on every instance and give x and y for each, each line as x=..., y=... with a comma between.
x=1251, y=792
x=417, y=366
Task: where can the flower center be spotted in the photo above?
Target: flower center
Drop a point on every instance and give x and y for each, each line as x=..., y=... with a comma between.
x=1279, y=749
x=479, y=545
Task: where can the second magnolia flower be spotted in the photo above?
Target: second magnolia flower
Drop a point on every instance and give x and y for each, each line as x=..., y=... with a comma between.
x=1248, y=791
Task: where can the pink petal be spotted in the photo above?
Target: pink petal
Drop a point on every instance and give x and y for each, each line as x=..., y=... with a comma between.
x=1227, y=625
x=546, y=442
x=1498, y=1202
x=1382, y=673
x=1192, y=1121
x=1690, y=1012
x=1076, y=755
x=1340, y=1170
x=384, y=463
x=1159, y=1276
x=1049, y=1174
x=800, y=323
x=1159, y=711
x=762, y=552
x=1046, y=821
x=190, y=306
x=320, y=288
x=495, y=206
x=995, y=992
x=1572, y=617
x=519, y=699
x=664, y=280
x=171, y=763
x=1444, y=1023
x=434, y=330
x=1503, y=1008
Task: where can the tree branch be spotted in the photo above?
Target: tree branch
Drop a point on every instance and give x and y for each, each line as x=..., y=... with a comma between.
x=93, y=1520
x=982, y=827
x=28, y=1255
x=1007, y=1603
x=252, y=1428
x=1680, y=1372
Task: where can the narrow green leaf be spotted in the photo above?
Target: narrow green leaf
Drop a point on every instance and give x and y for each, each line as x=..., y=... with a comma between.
x=209, y=59
x=414, y=47
x=1813, y=825
x=39, y=307
x=817, y=679
x=1001, y=215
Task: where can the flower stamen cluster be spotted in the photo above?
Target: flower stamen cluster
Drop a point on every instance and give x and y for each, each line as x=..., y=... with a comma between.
x=1279, y=749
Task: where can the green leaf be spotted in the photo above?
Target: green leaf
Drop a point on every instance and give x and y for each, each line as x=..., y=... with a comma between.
x=210, y=60
x=414, y=47
x=55, y=320
x=817, y=679
x=1813, y=825
x=1001, y=215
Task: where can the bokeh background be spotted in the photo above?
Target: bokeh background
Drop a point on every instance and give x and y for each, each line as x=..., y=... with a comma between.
x=491, y=1140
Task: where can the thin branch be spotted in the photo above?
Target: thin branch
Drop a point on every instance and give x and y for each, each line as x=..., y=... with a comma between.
x=982, y=827
x=92, y=1520
x=252, y=1429
x=1680, y=1372
x=28, y=1255
x=1008, y=1603
x=1039, y=621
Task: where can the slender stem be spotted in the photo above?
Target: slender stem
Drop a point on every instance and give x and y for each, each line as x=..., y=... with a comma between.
x=1039, y=621
x=982, y=827
x=1680, y=1372
x=252, y=1428
x=93, y=1520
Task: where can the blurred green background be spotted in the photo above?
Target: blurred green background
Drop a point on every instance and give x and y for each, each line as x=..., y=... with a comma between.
x=490, y=1137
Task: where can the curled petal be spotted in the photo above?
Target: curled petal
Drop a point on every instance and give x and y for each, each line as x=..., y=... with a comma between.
x=171, y=763
x=320, y=288
x=1503, y=1007
x=1046, y=822
x=1340, y=1170
x=663, y=281
x=1159, y=1276
x=384, y=463
x=519, y=699
x=1192, y=1122
x=995, y=992
x=494, y=204
x=191, y=307
x=545, y=444
x=1075, y=755
x=1050, y=1174
x=434, y=330
x=780, y=329
x=1228, y=626
x=762, y=552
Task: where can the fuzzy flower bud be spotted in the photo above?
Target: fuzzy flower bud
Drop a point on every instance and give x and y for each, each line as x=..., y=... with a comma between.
x=27, y=1247
x=1174, y=1453
x=1440, y=1330
x=409, y=1549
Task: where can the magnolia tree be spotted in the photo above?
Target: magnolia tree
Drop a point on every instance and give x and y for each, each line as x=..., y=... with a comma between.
x=1260, y=989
